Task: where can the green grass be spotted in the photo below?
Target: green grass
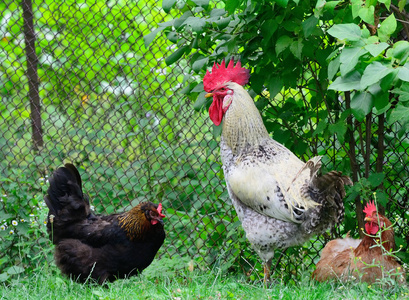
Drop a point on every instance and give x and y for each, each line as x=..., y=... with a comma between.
x=49, y=284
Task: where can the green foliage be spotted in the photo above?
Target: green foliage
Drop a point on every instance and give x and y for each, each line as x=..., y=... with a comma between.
x=22, y=217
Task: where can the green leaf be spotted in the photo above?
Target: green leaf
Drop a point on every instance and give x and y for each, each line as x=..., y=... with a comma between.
x=222, y=22
x=374, y=73
x=268, y=28
x=400, y=50
x=15, y=270
x=389, y=80
x=399, y=113
x=320, y=127
x=200, y=101
x=403, y=73
x=349, y=58
x=172, y=36
x=381, y=101
x=4, y=277
x=401, y=4
x=198, y=88
x=232, y=5
x=195, y=23
x=202, y=3
x=275, y=86
x=283, y=43
x=367, y=14
x=340, y=128
x=282, y=3
x=361, y=105
x=351, y=81
x=355, y=7
x=147, y=39
x=376, y=49
x=175, y=56
x=376, y=179
x=350, y=32
x=199, y=64
x=309, y=25
x=403, y=92
x=167, y=5
x=296, y=48
x=388, y=26
x=181, y=21
x=329, y=6
x=333, y=67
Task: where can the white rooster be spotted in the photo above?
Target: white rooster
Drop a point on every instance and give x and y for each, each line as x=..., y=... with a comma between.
x=280, y=200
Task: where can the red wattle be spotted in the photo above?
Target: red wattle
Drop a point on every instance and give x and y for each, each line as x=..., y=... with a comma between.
x=371, y=228
x=216, y=111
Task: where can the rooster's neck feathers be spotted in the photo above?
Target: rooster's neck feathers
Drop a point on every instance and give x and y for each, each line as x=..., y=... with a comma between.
x=134, y=223
x=242, y=123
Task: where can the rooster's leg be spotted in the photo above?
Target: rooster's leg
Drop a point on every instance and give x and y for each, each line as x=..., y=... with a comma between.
x=267, y=268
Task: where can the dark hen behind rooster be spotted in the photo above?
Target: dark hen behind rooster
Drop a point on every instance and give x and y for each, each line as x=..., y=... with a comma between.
x=103, y=248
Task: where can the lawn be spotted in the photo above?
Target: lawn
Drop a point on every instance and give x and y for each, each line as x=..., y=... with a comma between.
x=49, y=284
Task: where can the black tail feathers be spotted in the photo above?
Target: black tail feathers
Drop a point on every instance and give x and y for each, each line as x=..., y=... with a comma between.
x=65, y=199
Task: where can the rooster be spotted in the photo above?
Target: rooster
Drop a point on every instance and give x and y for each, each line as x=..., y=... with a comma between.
x=103, y=248
x=343, y=258
x=280, y=200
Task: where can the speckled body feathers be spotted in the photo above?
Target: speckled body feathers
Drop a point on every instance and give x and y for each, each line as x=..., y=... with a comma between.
x=280, y=200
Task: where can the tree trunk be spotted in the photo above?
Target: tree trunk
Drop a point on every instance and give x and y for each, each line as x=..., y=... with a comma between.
x=354, y=167
x=33, y=82
x=381, y=150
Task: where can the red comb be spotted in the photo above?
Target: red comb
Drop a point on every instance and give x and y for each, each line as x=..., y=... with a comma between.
x=220, y=75
x=370, y=208
x=159, y=209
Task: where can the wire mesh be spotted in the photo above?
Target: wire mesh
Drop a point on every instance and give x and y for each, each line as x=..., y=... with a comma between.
x=112, y=107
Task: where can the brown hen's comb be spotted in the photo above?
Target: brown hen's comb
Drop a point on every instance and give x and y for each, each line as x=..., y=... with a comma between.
x=370, y=208
x=221, y=74
x=159, y=209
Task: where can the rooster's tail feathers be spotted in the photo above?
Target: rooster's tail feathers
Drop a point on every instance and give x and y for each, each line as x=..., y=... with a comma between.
x=64, y=198
x=327, y=190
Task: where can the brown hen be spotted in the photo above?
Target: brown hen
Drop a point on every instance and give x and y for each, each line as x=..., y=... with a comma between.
x=367, y=259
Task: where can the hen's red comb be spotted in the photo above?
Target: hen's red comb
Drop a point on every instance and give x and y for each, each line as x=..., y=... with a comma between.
x=159, y=209
x=370, y=208
x=220, y=75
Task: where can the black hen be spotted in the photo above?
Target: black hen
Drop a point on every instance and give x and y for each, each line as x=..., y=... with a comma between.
x=103, y=248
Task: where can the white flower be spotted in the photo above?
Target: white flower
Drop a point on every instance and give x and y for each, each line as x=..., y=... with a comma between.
x=92, y=207
x=11, y=231
x=14, y=223
x=22, y=220
x=41, y=179
x=2, y=227
x=31, y=215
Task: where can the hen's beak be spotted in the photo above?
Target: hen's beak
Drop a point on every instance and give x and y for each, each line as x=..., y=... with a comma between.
x=208, y=95
x=368, y=219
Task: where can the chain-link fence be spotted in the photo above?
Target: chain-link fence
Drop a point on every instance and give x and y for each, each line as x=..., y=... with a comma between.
x=78, y=85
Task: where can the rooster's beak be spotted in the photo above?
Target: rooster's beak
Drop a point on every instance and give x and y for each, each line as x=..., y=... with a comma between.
x=208, y=95
x=368, y=219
